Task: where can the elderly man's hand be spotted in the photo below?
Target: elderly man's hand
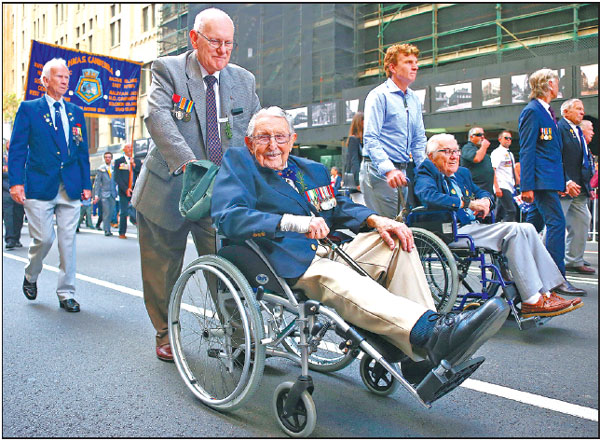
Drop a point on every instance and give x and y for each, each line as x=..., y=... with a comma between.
x=395, y=178
x=480, y=206
x=317, y=229
x=387, y=227
x=17, y=193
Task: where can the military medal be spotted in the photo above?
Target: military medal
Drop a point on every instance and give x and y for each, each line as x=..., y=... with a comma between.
x=77, y=134
x=323, y=198
x=182, y=108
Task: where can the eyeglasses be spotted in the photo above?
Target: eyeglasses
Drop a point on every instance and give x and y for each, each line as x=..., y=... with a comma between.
x=450, y=152
x=507, y=138
x=478, y=134
x=216, y=44
x=266, y=139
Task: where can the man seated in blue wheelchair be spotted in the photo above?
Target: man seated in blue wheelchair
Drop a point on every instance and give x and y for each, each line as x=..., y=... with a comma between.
x=286, y=205
x=442, y=184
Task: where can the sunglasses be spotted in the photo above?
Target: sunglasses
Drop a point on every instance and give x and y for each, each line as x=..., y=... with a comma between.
x=507, y=137
x=478, y=134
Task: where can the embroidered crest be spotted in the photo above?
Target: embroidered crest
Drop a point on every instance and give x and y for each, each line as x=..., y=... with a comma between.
x=89, y=87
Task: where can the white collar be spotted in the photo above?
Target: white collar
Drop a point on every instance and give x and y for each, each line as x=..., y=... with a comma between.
x=205, y=72
x=573, y=126
x=544, y=103
x=51, y=101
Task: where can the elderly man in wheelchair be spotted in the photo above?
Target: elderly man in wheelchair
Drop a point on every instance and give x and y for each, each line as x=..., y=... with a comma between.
x=286, y=206
x=442, y=184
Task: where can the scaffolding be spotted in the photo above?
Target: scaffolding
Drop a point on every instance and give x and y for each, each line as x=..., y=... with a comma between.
x=460, y=31
x=173, y=29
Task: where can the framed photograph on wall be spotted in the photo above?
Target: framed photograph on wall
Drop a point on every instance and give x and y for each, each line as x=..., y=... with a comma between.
x=453, y=97
x=351, y=109
x=490, y=92
x=588, y=79
x=300, y=117
x=422, y=94
x=324, y=114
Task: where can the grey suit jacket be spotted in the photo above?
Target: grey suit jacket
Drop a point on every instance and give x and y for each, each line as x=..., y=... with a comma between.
x=174, y=142
x=104, y=185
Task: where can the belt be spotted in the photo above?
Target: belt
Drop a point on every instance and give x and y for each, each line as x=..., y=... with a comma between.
x=398, y=165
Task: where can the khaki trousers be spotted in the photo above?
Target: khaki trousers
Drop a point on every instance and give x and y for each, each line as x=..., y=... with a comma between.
x=390, y=310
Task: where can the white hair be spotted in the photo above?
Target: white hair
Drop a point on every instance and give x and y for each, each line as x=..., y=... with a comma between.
x=55, y=62
x=207, y=14
x=586, y=123
x=568, y=104
x=473, y=130
x=440, y=140
x=270, y=111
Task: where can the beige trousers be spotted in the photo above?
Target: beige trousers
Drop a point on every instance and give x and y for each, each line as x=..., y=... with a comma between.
x=390, y=310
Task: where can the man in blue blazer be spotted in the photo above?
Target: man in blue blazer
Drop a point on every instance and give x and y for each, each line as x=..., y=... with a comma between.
x=542, y=173
x=441, y=183
x=579, y=168
x=286, y=204
x=49, y=172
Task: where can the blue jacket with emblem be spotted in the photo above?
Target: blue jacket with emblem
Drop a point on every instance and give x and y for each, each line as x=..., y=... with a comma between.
x=34, y=154
x=541, y=159
x=249, y=200
x=433, y=192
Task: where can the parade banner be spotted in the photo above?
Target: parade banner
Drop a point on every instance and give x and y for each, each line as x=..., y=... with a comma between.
x=99, y=84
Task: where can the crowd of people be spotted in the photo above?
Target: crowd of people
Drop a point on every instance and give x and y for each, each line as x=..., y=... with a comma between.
x=263, y=192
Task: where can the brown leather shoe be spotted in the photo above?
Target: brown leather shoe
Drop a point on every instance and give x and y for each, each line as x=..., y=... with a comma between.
x=163, y=352
x=575, y=301
x=546, y=307
x=122, y=236
x=581, y=269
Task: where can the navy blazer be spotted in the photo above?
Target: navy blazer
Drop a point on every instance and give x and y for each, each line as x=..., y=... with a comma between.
x=572, y=156
x=249, y=200
x=541, y=159
x=433, y=192
x=34, y=155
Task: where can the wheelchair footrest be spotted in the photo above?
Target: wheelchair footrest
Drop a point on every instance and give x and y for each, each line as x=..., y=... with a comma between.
x=444, y=378
x=532, y=322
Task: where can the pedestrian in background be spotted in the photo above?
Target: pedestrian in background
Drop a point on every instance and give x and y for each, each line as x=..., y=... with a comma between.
x=85, y=212
x=542, y=171
x=506, y=179
x=12, y=213
x=336, y=179
x=49, y=155
x=475, y=157
x=126, y=173
x=198, y=105
x=394, y=136
x=105, y=190
x=354, y=156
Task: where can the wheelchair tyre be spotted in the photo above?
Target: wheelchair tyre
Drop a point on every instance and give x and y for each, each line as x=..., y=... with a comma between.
x=303, y=422
x=377, y=379
x=439, y=267
x=328, y=357
x=216, y=346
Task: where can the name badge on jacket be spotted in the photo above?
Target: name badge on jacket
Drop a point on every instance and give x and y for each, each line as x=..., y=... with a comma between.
x=323, y=198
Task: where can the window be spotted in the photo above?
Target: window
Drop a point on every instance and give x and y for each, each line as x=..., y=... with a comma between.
x=115, y=33
x=56, y=16
x=44, y=23
x=83, y=28
x=113, y=10
x=90, y=45
x=91, y=23
x=153, y=15
x=145, y=18
x=61, y=41
x=77, y=46
x=77, y=31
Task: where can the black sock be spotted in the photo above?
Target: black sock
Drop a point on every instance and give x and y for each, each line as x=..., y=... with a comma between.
x=422, y=330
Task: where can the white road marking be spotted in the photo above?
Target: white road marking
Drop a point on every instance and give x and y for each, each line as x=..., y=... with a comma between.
x=540, y=401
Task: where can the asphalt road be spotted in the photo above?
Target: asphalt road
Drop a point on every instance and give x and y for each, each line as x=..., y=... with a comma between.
x=94, y=373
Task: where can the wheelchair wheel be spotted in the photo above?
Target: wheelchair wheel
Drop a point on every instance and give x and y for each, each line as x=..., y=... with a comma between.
x=216, y=341
x=303, y=421
x=439, y=267
x=328, y=357
x=377, y=379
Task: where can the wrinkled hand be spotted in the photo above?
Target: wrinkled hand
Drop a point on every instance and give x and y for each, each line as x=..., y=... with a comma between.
x=527, y=196
x=573, y=189
x=387, y=228
x=499, y=192
x=395, y=178
x=87, y=194
x=481, y=207
x=17, y=193
x=317, y=229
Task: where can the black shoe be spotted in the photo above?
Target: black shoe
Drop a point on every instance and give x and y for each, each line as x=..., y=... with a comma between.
x=457, y=336
x=29, y=289
x=10, y=246
x=77, y=230
x=566, y=289
x=98, y=227
x=70, y=305
x=107, y=233
x=18, y=244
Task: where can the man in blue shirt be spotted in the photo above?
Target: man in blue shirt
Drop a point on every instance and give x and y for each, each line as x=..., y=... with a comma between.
x=394, y=134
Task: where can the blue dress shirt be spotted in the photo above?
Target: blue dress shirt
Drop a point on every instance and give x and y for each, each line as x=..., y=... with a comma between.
x=394, y=127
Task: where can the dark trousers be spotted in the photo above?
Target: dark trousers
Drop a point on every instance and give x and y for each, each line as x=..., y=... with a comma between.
x=506, y=210
x=12, y=214
x=547, y=203
x=123, y=212
x=162, y=253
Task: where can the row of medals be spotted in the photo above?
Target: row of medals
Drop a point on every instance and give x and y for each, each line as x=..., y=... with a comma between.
x=180, y=114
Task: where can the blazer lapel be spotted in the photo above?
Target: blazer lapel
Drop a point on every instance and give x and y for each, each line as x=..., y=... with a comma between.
x=226, y=97
x=196, y=90
x=280, y=185
x=45, y=110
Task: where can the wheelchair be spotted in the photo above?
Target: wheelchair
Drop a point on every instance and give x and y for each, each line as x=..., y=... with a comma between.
x=460, y=274
x=230, y=311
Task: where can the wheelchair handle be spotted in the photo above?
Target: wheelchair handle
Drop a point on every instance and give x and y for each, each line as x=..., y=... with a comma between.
x=345, y=257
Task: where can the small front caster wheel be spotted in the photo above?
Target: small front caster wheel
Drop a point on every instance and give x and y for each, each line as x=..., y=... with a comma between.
x=302, y=422
x=377, y=379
